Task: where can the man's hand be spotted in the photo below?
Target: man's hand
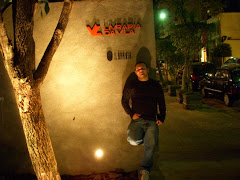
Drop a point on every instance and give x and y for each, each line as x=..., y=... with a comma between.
x=136, y=116
x=158, y=122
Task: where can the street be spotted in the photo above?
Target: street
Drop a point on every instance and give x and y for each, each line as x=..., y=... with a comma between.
x=199, y=144
x=217, y=103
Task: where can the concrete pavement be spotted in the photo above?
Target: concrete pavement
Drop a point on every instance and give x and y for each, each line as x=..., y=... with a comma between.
x=198, y=144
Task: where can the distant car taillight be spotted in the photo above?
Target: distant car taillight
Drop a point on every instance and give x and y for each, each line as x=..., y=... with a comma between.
x=233, y=89
x=196, y=78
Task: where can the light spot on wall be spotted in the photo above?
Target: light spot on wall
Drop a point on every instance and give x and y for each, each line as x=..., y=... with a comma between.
x=99, y=153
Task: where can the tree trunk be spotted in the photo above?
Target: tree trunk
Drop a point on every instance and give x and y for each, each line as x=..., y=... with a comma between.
x=186, y=73
x=26, y=81
x=184, y=76
x=160, y=73
x=36, y=132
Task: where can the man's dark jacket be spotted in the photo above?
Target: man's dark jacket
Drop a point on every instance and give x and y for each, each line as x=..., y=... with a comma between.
x=145, y=97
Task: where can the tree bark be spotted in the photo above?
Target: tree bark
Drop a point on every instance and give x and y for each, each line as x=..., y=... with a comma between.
x=184, y=76
x=26, y=81
x=35, y=129
x=44, y=64
x=24, y=45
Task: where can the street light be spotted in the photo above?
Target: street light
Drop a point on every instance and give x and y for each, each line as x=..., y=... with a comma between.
x=162, y=15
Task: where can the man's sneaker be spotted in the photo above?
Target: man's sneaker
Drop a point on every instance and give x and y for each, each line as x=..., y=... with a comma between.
x=144, y=175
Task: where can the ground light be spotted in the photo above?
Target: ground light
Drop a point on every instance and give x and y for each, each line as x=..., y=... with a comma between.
x=99, y=153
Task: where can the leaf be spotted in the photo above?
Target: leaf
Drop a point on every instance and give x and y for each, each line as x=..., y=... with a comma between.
x=4, y=3
x=47, y=9
x=222, y=50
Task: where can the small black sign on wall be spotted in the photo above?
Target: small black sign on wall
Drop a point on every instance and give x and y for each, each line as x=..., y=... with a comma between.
x=109, y=55
x=119, y=55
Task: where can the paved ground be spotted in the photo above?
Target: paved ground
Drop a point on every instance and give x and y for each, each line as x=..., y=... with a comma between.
x=199, y=144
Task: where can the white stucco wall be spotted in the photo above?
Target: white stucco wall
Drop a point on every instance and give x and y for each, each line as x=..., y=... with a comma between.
x=81, y=94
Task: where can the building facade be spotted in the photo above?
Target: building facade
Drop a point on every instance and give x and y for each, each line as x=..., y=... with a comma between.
x=228, y=30
x=81, y=95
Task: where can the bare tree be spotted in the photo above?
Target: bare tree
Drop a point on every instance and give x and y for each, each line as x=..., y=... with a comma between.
x=19, y=61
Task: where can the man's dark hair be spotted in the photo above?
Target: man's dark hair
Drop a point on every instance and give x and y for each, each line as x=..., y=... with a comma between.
x=141, y=62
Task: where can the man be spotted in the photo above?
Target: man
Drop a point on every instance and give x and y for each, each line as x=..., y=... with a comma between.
x=145, y=94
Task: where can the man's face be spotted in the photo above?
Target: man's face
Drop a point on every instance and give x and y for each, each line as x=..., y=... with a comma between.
x=141, y=71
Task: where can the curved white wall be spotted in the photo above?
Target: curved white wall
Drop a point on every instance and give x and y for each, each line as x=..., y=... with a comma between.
x=81, y=94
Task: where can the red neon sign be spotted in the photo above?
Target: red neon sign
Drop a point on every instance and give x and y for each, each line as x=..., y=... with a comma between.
x=125, y=29
x=95, y=30
x=118, y=29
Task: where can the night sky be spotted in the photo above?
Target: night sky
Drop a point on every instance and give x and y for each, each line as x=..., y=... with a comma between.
x=232, y=5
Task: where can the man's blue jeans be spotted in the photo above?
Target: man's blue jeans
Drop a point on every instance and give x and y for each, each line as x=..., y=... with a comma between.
x=145, y=132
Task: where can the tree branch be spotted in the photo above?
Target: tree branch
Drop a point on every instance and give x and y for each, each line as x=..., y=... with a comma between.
x=43, y=66
x=6, y=48
x=4, y=8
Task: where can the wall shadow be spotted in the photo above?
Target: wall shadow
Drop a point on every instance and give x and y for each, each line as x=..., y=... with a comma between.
x=145, y=56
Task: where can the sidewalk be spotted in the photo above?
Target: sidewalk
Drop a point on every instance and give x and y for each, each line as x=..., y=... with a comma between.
x=199, y=144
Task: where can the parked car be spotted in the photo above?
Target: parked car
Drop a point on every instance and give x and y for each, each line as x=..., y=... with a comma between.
x=199, y=71
x=225, y=82
x=232, y=60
